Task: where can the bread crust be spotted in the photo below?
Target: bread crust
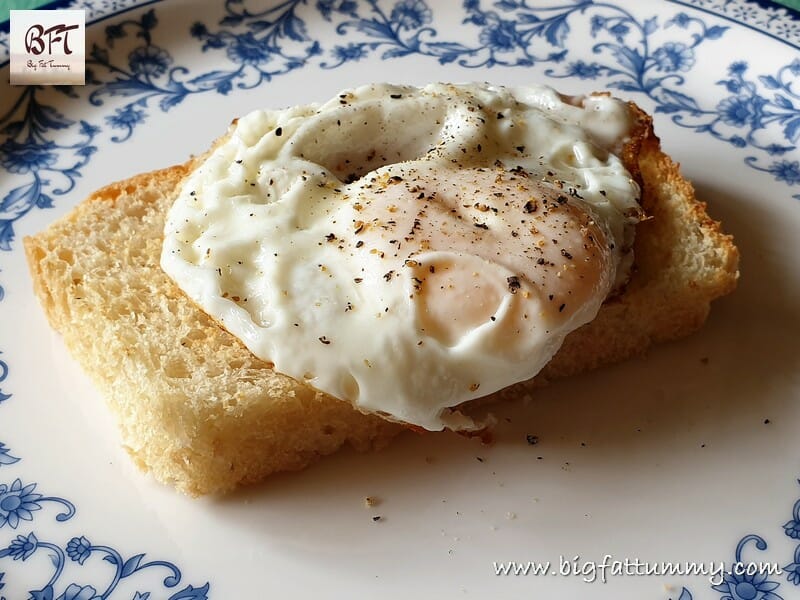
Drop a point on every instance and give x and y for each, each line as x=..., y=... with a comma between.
x=200, y=412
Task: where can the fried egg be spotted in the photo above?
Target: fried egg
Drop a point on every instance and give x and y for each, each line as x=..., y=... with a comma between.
x=410, y=249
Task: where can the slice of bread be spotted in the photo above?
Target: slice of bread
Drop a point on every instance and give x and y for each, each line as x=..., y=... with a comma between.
x=199, y=411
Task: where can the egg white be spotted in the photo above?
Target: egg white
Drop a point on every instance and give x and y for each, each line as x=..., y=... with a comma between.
x=409, y=249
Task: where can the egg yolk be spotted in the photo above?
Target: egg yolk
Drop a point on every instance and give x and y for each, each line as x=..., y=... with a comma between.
x=483, y=245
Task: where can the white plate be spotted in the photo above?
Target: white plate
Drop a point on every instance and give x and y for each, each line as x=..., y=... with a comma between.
x=689, y=454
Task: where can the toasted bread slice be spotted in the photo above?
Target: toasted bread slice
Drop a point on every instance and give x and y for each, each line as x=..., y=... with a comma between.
x=199, y=411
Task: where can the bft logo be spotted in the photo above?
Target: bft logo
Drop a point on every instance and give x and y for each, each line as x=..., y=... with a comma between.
x=37, y=35
x=48, y=47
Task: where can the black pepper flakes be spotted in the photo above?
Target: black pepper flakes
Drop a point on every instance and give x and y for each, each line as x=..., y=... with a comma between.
x=532, y=439
x=279, y=131
x=513, y=284
x=324, y=340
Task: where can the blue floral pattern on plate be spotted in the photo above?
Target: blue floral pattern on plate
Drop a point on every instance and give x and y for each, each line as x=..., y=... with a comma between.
x=79, y=549
x=45, y=151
